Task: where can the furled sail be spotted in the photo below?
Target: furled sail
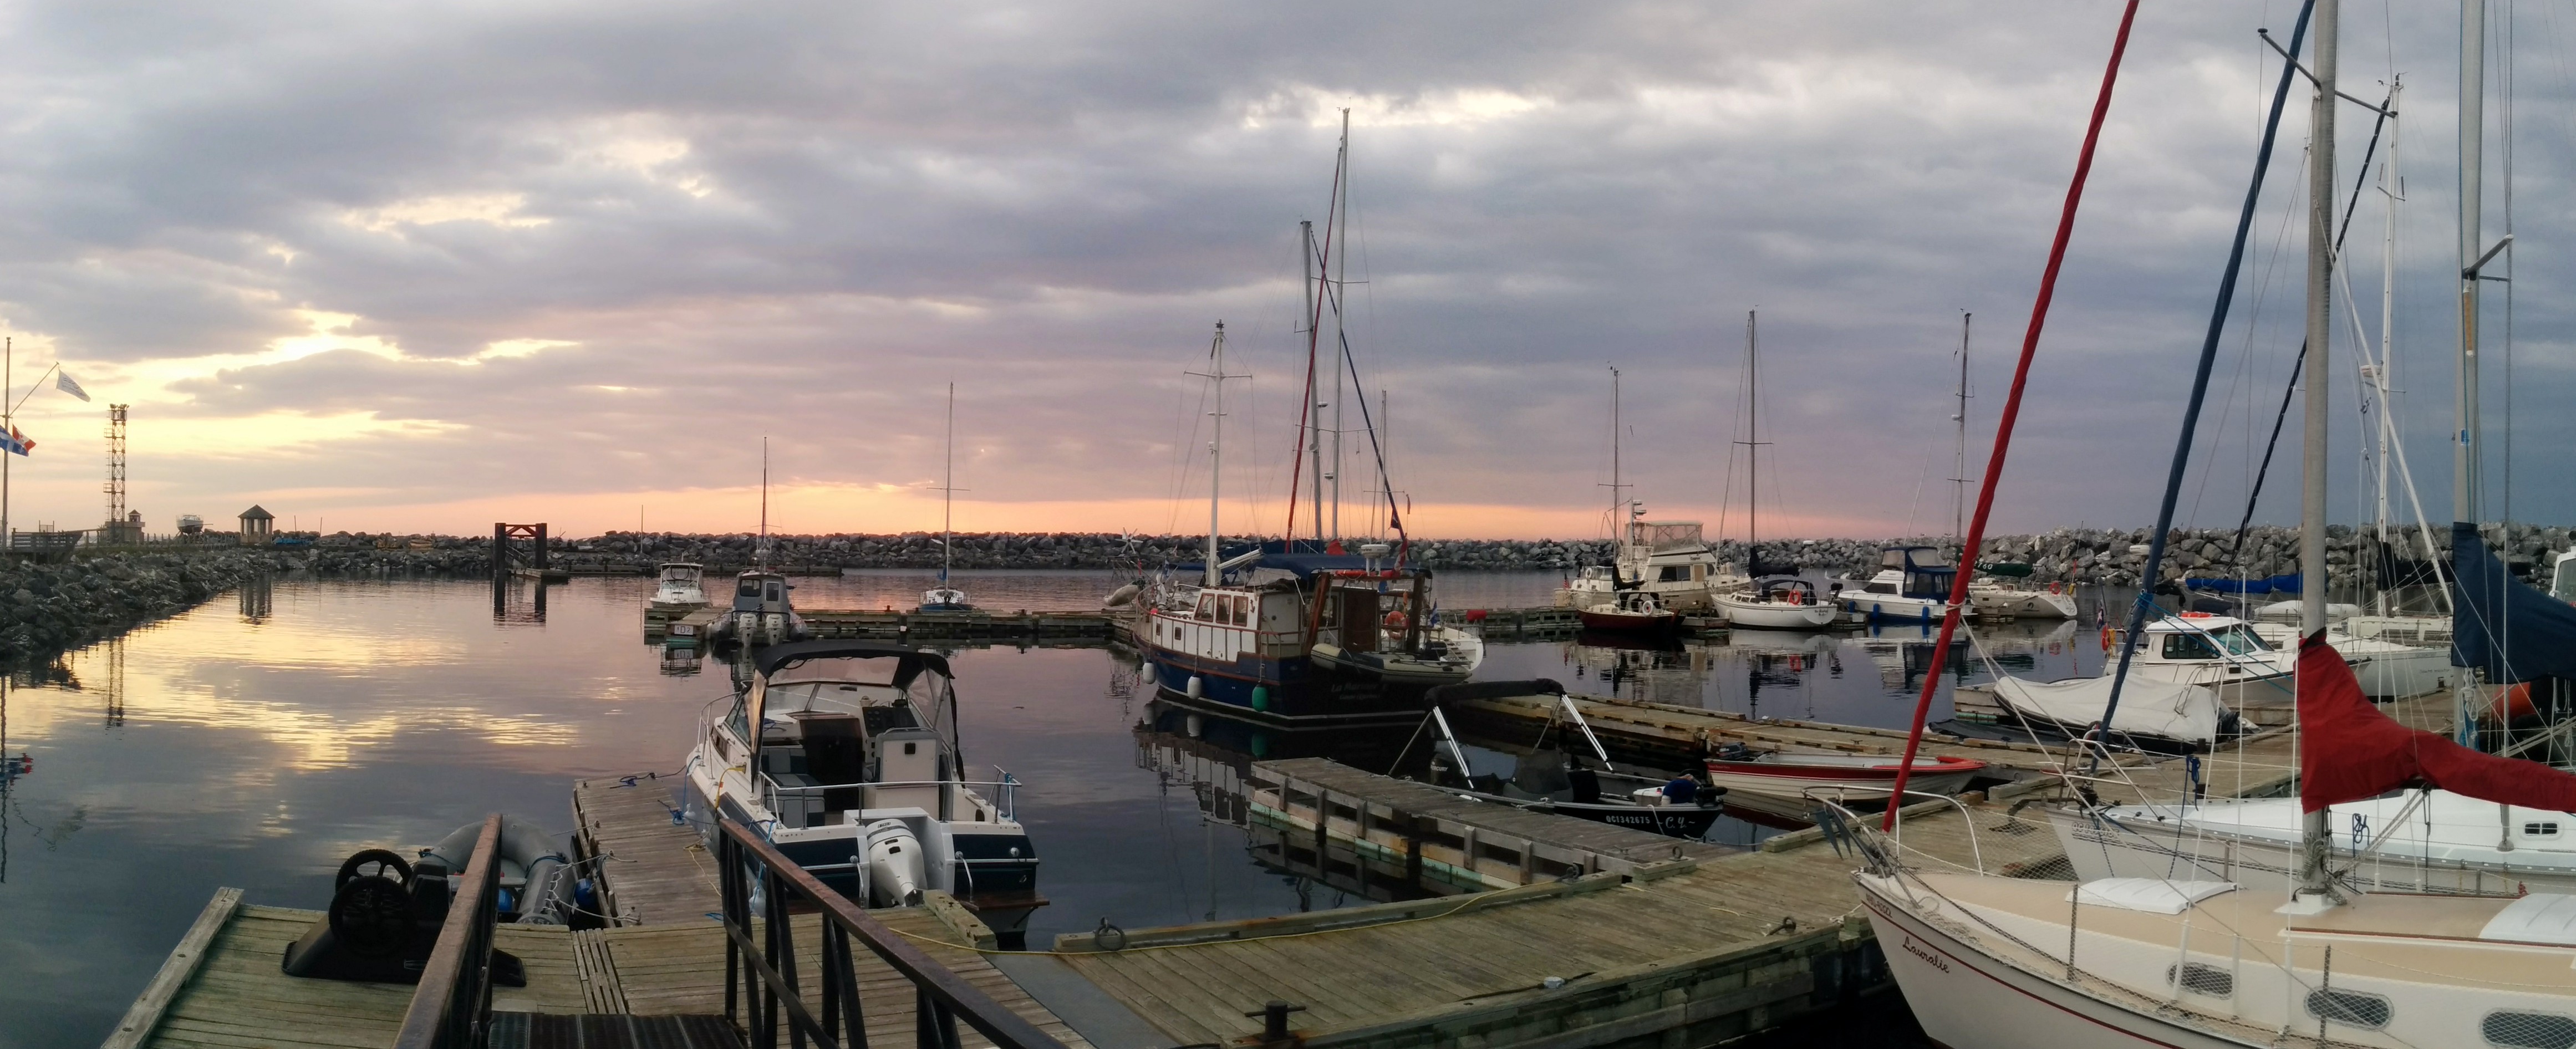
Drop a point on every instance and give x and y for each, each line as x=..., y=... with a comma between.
x=2349, y=750
x=2502, y=625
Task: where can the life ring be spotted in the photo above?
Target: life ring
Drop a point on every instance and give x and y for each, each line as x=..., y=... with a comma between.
x=2057, y=588
x=1394, y=620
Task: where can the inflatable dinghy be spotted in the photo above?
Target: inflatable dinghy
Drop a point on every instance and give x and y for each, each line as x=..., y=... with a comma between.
x=536, y=877
x=386, y=910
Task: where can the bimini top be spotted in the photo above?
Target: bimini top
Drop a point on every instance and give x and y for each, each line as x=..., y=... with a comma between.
x=913, y=661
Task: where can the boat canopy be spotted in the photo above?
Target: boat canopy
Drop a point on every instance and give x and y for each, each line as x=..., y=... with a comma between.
x=2162, y=709
x=1667, y=537
x=2350, y=750
x=2279, y=584
x=1927, y=573
x=2512, y=630
x=909, y=661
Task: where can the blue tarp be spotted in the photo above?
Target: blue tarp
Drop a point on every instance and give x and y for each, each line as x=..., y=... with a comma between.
x=2502, y=625
x=2279, y=584
x=1304, y=557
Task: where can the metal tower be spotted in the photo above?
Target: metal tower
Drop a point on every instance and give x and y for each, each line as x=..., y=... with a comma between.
x=116, y=466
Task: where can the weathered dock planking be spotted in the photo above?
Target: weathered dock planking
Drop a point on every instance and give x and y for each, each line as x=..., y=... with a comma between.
x=1418, y=835
x=892, y=624
x=652, y=869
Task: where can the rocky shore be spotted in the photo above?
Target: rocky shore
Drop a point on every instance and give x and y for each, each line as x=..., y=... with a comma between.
x=49, y=606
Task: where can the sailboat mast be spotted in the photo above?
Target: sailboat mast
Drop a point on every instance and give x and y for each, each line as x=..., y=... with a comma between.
x=2314, y=841
x=1341, y=265
x=1314, y=333
x=1752, y=440
x=948, y=490
x=1216, y=455
x=2389, y=187
x=764, y=503
x=1959, y=457
x=1618, y=492
x=2465, y=494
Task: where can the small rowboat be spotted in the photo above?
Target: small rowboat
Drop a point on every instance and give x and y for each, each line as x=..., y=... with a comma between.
x=1844, y=775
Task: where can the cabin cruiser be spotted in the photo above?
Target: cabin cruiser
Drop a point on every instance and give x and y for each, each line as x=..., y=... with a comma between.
x=761, y=613
x=1298, y=634
x=1912, y=586
x=682, y=588
x=1668, y=559
x=1633, y=612
x=854, y=773
x=1993, y=600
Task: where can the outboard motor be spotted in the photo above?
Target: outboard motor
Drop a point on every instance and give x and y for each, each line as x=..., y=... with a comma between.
x=896, y=874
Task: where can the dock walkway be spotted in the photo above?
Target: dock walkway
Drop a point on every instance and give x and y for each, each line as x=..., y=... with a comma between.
x=653, y=868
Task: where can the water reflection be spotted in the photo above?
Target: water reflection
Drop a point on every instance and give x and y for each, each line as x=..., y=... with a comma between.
x=255, y=596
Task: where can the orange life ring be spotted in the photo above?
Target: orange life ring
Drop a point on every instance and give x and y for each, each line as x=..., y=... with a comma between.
x=1394, y=620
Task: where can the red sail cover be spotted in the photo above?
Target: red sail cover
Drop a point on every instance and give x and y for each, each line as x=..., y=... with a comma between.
x=2349, y=750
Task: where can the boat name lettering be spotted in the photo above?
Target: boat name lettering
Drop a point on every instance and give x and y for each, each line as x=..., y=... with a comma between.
x=1929, y=958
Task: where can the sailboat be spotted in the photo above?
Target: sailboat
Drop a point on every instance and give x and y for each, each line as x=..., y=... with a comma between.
x=1990, y=596
x=761, y=613
x=1774, y=602
x=2188, y=960
x=946, y=598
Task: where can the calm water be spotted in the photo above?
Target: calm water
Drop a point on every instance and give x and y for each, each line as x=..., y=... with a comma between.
x=259, y=739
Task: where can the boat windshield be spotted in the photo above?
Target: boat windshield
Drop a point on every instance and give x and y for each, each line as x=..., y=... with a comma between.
x=679, y=573
x=2233, y=640
x=2562, y=583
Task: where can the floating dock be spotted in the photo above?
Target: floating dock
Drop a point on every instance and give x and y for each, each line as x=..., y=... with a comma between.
x=892, y=625
x=1602, y=941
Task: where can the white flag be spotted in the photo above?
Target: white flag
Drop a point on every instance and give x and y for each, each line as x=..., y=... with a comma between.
x=63, y=381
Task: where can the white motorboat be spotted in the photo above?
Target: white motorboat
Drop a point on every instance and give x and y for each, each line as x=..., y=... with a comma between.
x=1912, y=586
x=2156, y=715
x=682, y=588
x=1669, y=559
x=1778, y=603
x=1992, y=600
x=2220, y=653
x=855, y=773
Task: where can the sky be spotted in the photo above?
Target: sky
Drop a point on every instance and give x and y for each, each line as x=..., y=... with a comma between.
x=416, y=267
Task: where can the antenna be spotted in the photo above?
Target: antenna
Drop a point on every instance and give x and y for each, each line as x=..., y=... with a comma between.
x=116, y=527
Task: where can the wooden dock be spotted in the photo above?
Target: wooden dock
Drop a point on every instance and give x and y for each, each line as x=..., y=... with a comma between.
x=652, y=868
x=893, y=625
x=1377, y=829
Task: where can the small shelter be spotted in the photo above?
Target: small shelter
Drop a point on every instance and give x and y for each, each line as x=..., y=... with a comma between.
x=256, y=524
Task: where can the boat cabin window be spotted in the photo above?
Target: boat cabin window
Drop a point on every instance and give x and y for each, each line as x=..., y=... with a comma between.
x=2516, y=1030
x=2189, y=646
x=2237, y=640
x=1243, y=610
x=2540, y=830
x=750, y=588
x=1676, y=574
x=2357, y=1008
x=1207, y=609
x=2202, y=979
x=2562, y=582
x=1880, y=588
x=776, y=591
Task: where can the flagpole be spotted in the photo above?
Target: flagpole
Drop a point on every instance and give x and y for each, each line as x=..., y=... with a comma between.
x=9, y=422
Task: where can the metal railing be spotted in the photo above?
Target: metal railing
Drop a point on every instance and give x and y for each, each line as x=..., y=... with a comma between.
x=1001, y=795
x=760, y=962
x=452, y=1009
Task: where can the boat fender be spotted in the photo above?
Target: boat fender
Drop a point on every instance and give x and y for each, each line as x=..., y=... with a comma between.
x=894, y=864
x=1194, y=687
x=1260, y=695
x=1147, y=675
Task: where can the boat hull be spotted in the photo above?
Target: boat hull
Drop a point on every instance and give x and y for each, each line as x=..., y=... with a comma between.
x=1891, y=608
x=1967, y=998
x=1767, y=615
x=1283, y=690
x=1792, y=780
x=1614, y=621
x=2103, y=846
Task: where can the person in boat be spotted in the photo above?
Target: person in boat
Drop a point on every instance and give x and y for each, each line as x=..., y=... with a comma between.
x=1683, y=790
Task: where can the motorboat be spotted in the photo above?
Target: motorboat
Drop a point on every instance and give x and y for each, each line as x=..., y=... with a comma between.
x=1778, y=603
x=762, y=613
x=1669, y=559
x=1552, y=780
x=1851, y=776
x=1635, y=612
x=682, y=589
x=1912, y=586
x=2221, y=653
x=854, y=772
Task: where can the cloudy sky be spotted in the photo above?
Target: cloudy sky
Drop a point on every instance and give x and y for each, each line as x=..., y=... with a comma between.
x=413, y=267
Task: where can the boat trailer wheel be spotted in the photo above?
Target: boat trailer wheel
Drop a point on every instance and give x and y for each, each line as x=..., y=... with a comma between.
x=371, y=914
x=378, y=862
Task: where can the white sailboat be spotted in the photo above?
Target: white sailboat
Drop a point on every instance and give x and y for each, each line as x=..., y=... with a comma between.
x=2188, y=960
x=1780, y=602
x=946, y=598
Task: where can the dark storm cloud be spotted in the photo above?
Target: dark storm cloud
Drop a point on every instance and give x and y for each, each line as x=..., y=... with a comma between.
x=802, y=218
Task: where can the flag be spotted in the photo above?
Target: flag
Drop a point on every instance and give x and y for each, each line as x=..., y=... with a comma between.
x=63, y=381
x=17, y=443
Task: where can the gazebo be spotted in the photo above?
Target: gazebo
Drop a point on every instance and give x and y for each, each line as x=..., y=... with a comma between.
x=256, y=524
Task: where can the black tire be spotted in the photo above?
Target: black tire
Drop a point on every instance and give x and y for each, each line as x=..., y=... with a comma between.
x=377, y=862
x=371, y=915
